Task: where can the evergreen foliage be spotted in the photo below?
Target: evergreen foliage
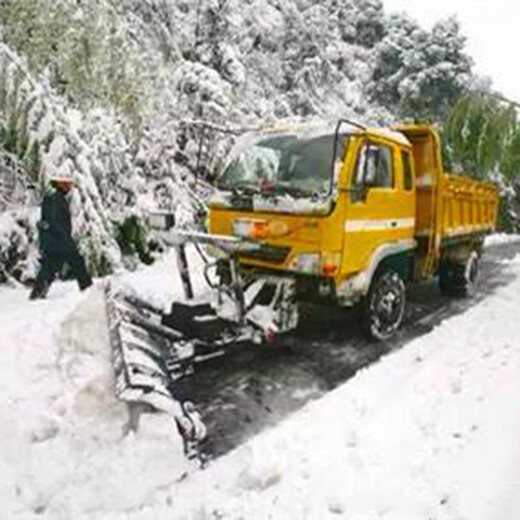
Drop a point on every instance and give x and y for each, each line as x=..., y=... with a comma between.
x=132, y=239
x=361, y=22
x=481, y=132
x=32, y=161
x=16, y=235
x=510, y=163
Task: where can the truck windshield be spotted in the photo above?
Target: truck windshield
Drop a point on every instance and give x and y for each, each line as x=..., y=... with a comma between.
x=300, y=167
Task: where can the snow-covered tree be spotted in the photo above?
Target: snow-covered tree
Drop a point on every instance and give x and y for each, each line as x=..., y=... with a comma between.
x=39, y=117
x=81, y=46
x=510, y=163
x=420, y=74
x=142, y=98
x=361, y=22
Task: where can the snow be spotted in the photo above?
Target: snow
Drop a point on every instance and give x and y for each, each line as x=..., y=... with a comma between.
x=392, y=135
x=65, y=448
x=7, y=223
x=501, y=238
x=288, y=204
x=161, y=284
x=429, y=432
x=16, y=252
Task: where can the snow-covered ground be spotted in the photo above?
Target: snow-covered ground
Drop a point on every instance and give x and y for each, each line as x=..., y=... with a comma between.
x=67, y=448
x=432, y=431
x=501, y=238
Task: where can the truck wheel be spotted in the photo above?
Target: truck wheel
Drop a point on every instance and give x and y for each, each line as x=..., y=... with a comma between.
x=382, y=309
x=459, y=278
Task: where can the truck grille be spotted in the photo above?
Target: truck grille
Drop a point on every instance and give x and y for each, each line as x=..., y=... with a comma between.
x=272, y=254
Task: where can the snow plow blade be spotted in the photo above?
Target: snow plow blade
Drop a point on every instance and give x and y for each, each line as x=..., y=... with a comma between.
x=149, y=362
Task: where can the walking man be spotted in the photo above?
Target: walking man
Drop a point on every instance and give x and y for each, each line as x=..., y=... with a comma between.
x=56, y=244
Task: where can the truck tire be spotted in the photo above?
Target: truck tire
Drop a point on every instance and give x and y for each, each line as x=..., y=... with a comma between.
x=382, y=309
x=459, y=278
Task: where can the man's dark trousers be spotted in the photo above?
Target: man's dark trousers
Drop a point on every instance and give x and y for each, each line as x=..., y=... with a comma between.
x=51, y=265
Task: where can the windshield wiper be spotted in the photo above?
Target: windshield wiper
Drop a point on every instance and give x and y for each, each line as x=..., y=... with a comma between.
x=294, y=191
x=244, y=188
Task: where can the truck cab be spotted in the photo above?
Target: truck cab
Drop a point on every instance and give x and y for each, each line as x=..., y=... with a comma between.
x=321, y=203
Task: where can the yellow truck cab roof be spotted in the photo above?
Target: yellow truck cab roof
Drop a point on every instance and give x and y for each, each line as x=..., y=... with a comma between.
x=389, y=135
x=329, y=127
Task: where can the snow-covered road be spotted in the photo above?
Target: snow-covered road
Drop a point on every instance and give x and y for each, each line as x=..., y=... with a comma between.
x=255, y=389
x=431, y=431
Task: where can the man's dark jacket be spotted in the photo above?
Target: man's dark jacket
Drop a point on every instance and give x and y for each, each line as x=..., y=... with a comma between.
x=55, y=225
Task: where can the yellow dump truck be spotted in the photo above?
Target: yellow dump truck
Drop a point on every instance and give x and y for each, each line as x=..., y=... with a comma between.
x=338, y=216
x=353, y=215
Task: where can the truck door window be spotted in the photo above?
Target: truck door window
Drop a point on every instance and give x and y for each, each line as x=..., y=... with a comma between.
x=407, y=171
x=374, y=167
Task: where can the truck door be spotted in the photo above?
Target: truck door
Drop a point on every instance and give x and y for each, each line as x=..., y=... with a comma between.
x=381, y=205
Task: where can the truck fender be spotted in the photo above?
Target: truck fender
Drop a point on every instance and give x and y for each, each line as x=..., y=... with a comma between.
x=350, y=291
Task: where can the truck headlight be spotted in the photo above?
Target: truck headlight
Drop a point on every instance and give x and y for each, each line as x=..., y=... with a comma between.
x=307, y=263
x=326, y=264
x=255, y=229
x=260, y=229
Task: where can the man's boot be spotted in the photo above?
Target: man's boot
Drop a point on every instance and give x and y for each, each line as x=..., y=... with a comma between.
x=39, y=291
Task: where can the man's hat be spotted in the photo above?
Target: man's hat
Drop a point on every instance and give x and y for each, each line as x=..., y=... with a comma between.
x=62, y=182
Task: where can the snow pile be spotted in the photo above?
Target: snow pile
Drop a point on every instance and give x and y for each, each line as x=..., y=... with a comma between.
x=161, y=284
x=68, y=447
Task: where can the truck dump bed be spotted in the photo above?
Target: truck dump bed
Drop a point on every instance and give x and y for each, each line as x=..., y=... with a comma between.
x=459, y=207
x=450, y=208
x=465, y=207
